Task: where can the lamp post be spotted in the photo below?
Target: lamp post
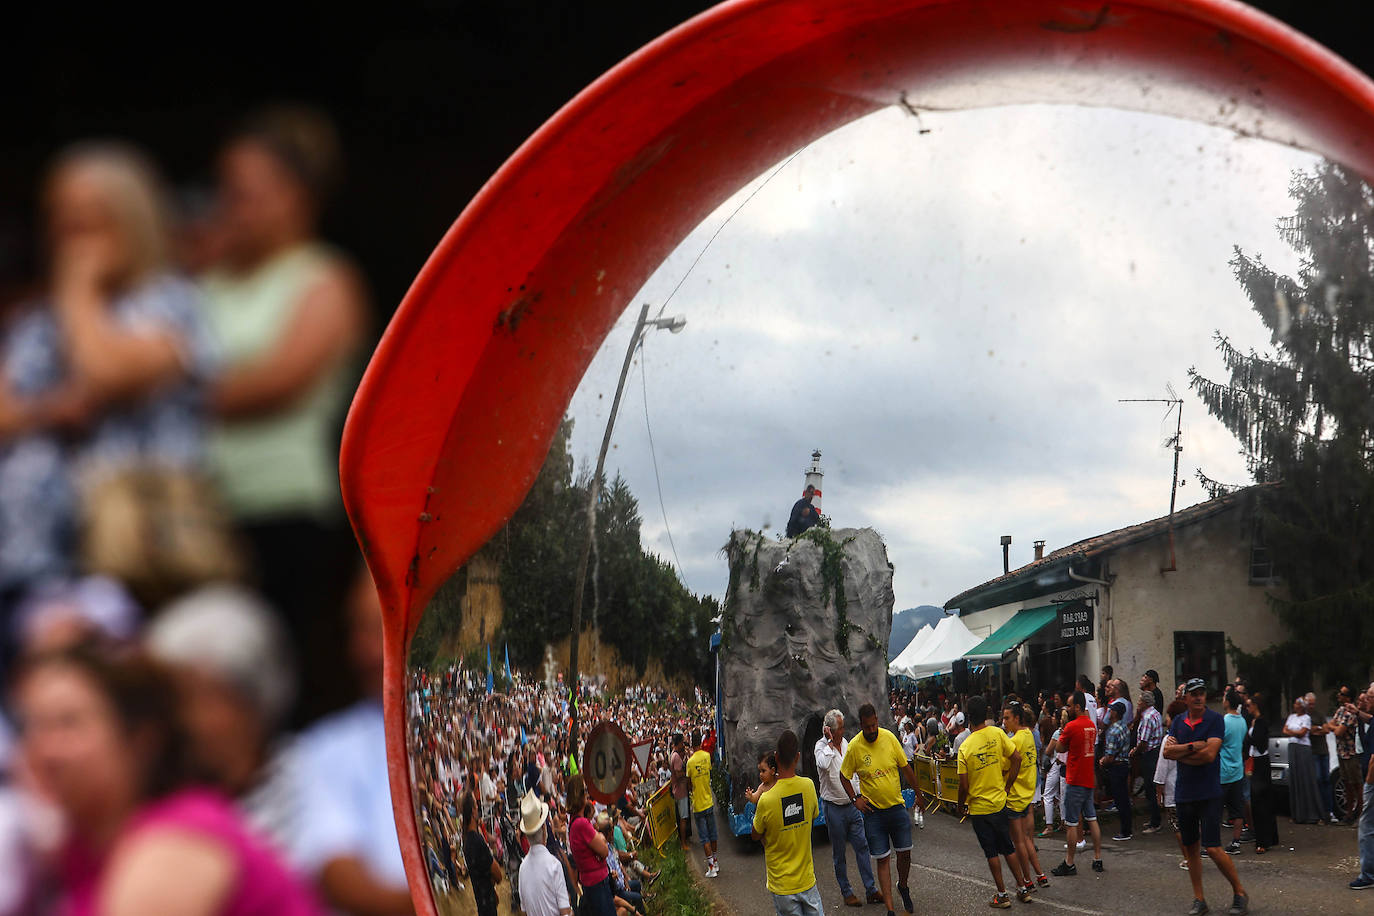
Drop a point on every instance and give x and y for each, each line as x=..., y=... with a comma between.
x=674, y=324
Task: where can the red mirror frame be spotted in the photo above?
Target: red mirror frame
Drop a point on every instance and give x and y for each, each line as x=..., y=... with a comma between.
x=458, y=406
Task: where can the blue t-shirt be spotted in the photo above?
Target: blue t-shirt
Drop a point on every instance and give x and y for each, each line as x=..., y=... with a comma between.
x=1198, y=783
x=1232, y=763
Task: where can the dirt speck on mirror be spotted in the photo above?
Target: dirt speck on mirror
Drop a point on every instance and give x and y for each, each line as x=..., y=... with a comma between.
x=932, y=320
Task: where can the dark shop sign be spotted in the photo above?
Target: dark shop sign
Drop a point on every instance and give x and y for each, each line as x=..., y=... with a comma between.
x=1075, y=622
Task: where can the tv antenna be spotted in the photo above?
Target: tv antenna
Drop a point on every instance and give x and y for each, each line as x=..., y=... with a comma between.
x=1176, y=443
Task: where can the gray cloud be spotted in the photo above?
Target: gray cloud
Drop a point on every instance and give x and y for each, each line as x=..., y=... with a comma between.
x=951, y=318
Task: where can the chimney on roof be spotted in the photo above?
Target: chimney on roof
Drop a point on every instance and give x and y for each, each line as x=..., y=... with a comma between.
x=1006, y=554
x=1040, y=550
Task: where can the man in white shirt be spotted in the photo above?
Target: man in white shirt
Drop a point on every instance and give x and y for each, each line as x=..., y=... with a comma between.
x=958, y=733
x=543, y=891
x=842, y=820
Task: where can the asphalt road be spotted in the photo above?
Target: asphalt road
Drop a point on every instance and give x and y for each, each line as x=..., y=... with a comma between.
x=1307, y=873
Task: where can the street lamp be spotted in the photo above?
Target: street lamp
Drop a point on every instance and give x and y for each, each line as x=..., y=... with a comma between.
x=673, y=324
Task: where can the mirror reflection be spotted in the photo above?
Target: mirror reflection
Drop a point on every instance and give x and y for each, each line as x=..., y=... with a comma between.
x=967, y=412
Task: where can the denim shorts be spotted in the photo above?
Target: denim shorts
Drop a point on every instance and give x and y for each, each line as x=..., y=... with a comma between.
x=807, y=903
x=706, y=825
x=1014, y=815
x=887, y=829
x=1078, y=803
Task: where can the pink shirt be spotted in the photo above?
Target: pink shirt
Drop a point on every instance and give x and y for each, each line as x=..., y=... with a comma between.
x=263, y=885
x=591, y=870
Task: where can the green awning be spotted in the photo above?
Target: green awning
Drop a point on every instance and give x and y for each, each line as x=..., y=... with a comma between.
x=1021, y=627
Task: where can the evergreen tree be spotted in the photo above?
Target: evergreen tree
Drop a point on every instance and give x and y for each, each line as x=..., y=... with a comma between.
x=1303, y=412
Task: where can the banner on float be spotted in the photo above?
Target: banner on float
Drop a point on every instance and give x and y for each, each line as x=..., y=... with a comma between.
x=662, y=816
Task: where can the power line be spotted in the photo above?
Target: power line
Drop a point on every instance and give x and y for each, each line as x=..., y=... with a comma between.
x=658, y=482
x=643, y=374
x=732, y=215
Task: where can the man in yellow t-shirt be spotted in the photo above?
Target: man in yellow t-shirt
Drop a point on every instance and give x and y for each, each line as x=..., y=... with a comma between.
x=782, y=822
x=988, y=766
x=877, y=757
x=703, y=803
x=1016, y=721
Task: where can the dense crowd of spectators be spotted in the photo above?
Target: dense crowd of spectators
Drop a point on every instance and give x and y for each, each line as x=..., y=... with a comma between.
x=474, y=748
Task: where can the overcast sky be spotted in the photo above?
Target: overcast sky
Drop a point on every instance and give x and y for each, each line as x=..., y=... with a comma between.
x=950, y=317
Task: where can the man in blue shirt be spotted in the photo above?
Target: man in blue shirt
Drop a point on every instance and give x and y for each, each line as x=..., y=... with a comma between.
x=1195, y=740
x=1233, y=767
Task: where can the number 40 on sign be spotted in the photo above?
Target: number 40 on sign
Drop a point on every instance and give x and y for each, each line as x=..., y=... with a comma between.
x=606, y=763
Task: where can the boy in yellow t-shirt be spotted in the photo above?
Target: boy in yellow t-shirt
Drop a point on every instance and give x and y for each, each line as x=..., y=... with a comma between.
x=988, y=766
x=1016, y=721
x=703, y=803
x=782, y=822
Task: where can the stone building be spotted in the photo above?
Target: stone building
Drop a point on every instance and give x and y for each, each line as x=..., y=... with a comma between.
x=1160, y=594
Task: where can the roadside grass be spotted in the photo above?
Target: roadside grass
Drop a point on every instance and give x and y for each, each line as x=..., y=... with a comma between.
x=677, y=894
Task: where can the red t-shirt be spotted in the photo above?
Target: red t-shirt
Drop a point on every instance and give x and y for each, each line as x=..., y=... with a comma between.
x=1079, y=739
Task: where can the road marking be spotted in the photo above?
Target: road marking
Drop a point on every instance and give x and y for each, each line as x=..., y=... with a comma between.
x=1039, y=900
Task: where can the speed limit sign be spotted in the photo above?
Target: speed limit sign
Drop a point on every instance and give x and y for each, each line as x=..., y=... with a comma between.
x=606, y=763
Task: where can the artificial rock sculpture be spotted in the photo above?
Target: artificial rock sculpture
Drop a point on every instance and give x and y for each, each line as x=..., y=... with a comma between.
x=804, y=630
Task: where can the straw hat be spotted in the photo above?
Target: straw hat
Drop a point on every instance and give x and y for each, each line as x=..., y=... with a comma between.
x=533, y=813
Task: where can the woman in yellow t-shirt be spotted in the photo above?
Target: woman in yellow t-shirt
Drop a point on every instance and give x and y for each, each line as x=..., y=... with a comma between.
x=1022, y=792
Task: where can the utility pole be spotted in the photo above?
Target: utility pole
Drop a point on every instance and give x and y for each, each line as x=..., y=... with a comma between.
x=1176, y=443
x=673, y=324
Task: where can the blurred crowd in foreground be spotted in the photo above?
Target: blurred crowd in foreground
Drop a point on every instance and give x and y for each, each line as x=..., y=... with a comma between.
x=184, y=621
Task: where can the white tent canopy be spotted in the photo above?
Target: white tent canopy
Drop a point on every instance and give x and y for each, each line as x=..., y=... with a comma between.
x=950, y=640
x=897, y=667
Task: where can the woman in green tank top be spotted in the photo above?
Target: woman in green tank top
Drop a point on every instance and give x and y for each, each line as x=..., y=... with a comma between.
x=289, y=314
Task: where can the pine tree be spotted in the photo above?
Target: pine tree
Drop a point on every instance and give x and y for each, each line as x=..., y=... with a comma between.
x=1303, y=412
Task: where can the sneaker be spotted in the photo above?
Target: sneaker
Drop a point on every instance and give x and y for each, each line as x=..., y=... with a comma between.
x=1064, y=870
x=1097, y=865
x=1361, y=884
x=1045, y=882
x=1149, y=830
x=1000, y=902
x=1247, y=836
x=1121, y=838
x=1183, y=865
x=1024, y=895
x=1205, y=855
x=1233, y=847
x=1082, y=844
x=906, y=898
x=1199, y=907
x=1240, y=905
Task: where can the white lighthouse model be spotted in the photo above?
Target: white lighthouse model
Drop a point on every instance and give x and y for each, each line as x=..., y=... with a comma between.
x=814, y=475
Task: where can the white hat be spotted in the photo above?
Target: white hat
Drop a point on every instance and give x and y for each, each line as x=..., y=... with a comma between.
x=958, y=718
x=533, y=813
x=230, y=632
